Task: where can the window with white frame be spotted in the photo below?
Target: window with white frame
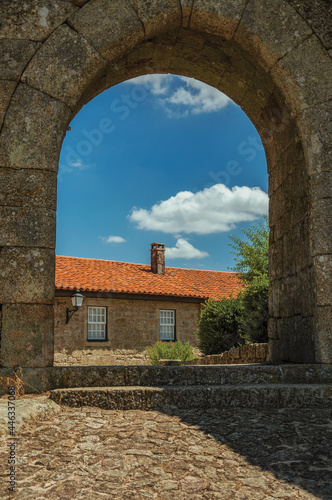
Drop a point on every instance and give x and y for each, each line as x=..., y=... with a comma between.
x=167, y=324
x=97, y=323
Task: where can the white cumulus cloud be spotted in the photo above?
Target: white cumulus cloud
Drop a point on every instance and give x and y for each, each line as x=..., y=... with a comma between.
x=184, y=250
x=157, y=84
x=180, y=96
x=113, y=239
x=215, y=209
x=198, y=97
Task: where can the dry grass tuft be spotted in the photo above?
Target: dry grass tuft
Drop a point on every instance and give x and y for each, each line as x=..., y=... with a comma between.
x=17, y=382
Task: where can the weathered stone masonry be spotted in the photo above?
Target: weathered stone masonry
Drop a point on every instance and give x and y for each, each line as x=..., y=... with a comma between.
x=272, y=57
x=132, y=324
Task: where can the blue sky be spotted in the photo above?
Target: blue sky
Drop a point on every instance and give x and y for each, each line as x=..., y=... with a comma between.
x=160, y=158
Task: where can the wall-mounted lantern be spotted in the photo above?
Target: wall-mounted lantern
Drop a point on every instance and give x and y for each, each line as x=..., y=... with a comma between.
x=77, y=301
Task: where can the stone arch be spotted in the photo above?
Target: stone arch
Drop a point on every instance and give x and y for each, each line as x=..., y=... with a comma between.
x=263, y=54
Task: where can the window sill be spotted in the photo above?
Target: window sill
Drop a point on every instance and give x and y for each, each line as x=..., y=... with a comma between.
x=97, y=340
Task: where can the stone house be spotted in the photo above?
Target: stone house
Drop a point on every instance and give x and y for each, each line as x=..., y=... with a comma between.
x=128, y=307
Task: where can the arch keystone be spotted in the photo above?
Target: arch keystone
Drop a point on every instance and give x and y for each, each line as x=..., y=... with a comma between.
x=186, y=8
x=218, y=18
x=157, y=15
x=111, y=26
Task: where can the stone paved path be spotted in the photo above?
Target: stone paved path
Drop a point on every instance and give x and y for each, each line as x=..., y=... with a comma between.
x=94, y=454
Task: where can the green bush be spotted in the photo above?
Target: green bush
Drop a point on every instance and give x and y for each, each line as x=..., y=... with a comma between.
x=219, y=327
x=252, y=261
x=256, y=312
x=170, y=350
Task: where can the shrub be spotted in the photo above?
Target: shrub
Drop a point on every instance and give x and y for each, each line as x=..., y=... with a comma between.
x=170, y=350
x=252, y=261
x=256, y=312
x=219, y=327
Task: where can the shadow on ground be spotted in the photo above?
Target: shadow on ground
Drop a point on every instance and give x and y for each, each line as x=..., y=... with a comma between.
x=293, y=444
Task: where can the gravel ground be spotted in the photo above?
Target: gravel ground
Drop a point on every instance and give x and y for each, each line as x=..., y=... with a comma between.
x=90, y=453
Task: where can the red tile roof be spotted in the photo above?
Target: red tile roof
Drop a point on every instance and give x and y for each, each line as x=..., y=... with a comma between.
x=121, y=277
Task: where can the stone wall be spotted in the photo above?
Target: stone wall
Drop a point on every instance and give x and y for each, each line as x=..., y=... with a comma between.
x=133, y=325
x=272, y=57
x=246, y=354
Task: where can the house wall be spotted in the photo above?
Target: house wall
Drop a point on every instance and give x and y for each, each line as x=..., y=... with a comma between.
x=132, y=326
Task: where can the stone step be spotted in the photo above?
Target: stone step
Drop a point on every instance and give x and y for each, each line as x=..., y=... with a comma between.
x=161, y=376
x=199, y=397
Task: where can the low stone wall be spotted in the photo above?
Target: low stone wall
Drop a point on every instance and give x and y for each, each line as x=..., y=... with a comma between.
x=105, y=357
x=246, y=354
x=202, y=397
x=254, y=353
x=46, y=379
x=101, y=357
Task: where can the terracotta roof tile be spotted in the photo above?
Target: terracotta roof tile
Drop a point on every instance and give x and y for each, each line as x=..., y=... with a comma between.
x=122, y=277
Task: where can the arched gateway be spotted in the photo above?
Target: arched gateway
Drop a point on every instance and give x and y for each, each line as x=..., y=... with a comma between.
x=269, y=57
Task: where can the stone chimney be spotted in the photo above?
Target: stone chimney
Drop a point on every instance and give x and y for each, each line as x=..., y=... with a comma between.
x=158, y=258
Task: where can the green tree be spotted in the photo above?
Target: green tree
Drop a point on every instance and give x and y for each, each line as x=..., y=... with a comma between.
x=251, y=258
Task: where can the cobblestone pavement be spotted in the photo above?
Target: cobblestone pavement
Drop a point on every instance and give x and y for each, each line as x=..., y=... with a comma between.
x=94, y=454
